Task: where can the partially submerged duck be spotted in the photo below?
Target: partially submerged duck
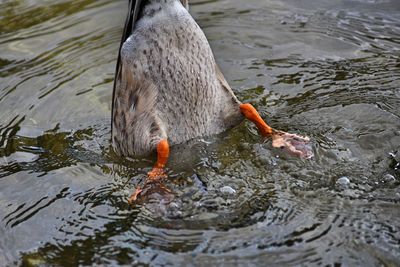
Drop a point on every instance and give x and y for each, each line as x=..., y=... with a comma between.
x=168, y=88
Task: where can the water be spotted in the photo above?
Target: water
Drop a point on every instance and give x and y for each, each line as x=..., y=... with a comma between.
x=327, y=69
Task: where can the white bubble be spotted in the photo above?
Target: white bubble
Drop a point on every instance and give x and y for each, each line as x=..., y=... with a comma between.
x=343, y=182
x=227, y=190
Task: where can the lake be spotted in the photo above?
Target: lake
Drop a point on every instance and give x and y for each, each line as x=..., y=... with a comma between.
x=328, y=69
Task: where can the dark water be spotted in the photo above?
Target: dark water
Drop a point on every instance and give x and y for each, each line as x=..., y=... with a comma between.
x=328, y=69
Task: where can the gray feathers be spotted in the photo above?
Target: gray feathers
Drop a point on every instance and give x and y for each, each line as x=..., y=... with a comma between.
x=169, y=85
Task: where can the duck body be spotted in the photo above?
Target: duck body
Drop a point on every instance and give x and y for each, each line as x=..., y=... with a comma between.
x=168, y=89
x=168, y=85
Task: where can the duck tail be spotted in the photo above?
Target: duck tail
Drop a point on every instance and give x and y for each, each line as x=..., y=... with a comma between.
x=134, y=12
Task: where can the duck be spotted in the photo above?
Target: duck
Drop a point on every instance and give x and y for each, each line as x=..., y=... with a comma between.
x=168, y=89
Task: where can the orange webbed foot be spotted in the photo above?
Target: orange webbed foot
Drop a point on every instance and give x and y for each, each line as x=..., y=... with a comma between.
x=135, y=195
x=154, y=178
x=292, y=143
x=156, y=174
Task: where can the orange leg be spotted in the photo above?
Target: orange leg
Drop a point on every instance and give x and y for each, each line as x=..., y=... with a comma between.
x=162, y=157
x=292, y=143
x=157, y=172
x=251, y=113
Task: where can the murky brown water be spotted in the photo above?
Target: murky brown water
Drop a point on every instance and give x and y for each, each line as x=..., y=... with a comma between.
x=329, y=69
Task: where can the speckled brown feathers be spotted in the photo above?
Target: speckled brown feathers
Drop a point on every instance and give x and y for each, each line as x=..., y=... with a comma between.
x=168, y=85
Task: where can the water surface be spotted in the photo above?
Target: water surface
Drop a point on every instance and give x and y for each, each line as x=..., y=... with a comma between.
x=328, y=69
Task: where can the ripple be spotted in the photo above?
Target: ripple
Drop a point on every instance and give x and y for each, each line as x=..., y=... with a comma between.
x=46, y=57
x=12, y=219
x=7, y=132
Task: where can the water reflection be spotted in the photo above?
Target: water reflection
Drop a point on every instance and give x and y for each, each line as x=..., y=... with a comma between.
x=328, y=69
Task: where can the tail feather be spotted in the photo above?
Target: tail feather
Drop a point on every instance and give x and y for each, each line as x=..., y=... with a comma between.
x=135, y=6
x=134, y=10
